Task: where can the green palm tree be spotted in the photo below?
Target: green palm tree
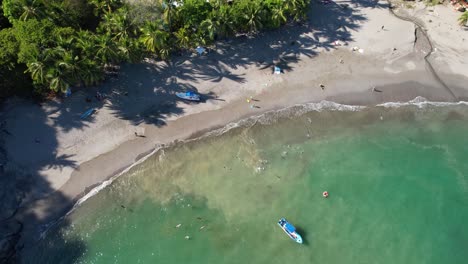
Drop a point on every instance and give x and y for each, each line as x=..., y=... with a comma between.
x=253, y=17
x=62, y=63
x=155, y=39
x=209, y=28
x=36, y=69
x=122, y=25
x=70, y=65
x=106, y=50
x=106, y=5
x=277, y=15
x=85, y=42
x=225, y=21
x=56, y=80
x=297, y=8
x=117, y=24
x=31, y=9
x=463, y=19
x=91, y=73
x=149, y=37
x=130, y=49
x=168, y=12
x=183, y=38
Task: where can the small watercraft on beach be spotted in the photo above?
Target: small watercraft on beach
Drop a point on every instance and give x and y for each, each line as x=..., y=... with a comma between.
x=290, y=230
x=191, y=96
x=88, y=113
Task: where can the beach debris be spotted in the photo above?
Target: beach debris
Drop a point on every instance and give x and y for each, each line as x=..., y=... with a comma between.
x=357, y=49
x=341, y=61
x=68, y=92
x=200, y=50
x=322, y=86
x=179, y=225
x=202, y=227
x=277, y=70
x=381, y=117
x=98, y=96
x=338, y=43
x=325, y=194
x=187, y=237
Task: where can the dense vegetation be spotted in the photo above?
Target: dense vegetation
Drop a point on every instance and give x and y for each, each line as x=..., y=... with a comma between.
x=463, y=19
x=49, y=45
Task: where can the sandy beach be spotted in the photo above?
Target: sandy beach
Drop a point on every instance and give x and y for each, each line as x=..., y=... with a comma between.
x=354, y=53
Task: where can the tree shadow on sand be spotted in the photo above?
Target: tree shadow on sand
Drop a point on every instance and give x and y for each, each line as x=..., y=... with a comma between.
x=23, y=185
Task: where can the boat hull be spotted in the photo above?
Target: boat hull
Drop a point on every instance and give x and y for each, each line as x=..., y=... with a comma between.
x=195, y=97
x=291, y=233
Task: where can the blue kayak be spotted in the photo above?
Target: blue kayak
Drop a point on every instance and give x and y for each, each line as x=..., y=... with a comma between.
x=191, y=96
x=88, y=113
x=290, y=230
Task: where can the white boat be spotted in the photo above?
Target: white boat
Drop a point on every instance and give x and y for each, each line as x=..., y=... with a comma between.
x=191, y=96
x=290, y=230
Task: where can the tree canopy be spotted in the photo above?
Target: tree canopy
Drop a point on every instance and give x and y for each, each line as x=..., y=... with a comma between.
x=54, y=44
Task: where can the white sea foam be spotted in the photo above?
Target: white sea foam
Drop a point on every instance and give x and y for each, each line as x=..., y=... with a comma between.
x=421, y=102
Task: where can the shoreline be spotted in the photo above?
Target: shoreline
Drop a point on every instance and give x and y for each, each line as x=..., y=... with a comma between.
x=64, y=209
x=93, y=190
x=401, y=75
x=419, y=102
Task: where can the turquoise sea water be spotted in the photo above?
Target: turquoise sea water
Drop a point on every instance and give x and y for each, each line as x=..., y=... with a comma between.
x=397, y=178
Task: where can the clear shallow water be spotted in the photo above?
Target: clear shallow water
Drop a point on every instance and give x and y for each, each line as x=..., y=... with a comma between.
x=397, y=178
